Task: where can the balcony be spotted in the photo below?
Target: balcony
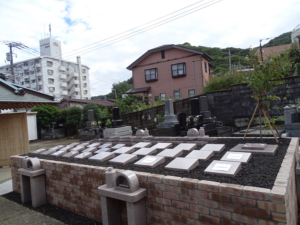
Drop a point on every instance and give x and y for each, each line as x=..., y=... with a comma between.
x=63, y=85
x=38, y=65
x=27, y=85
x=25, y=67
x=73, y=75
x=65, y=93
x=39, y=74
x=72, y=83
x=62, y=76
x=62, y=68
x=40, y=82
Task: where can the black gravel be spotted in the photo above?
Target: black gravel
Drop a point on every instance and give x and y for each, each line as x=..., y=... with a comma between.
x=260, y=171
x=54, y=212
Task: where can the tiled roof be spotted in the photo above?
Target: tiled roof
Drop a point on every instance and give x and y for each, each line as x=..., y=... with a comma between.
x=101, y=102
x=137, y=90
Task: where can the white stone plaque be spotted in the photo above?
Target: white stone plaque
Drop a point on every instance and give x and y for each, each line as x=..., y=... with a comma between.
x=148, y=160
x=223, y=167
x=234, y=156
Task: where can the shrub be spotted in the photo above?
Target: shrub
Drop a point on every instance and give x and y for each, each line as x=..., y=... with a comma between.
x=46, y=114
x=74, y=118
x=96, y=112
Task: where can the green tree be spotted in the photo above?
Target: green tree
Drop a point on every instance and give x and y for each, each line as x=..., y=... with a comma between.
x=46, y=114
x=96, y=112
x=282, y=39
x=120, y=88
x=74, y=118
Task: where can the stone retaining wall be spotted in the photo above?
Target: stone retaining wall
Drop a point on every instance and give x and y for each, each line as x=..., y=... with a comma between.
x=176, y=200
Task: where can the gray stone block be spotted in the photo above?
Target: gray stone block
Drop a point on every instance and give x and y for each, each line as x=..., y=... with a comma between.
x=102, y=150
x=183, y=164
x=124, y=159
x=170, y=153
x=243, y=157
x=145, y=151
x=150, y=161
x=223, y=168
x=269, y=150
x=70, y=154
x=200, y=155
x=103, y=156
x=83, y=155
x=213, y=147
x=124, y=150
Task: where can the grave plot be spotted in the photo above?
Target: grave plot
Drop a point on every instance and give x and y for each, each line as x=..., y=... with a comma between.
x=39, y=150
x=213, y=147
x=103, y=156
x=67, y=148
x=255, y=148
x=78, y=148
x=123, y=159
x=170, y=153
x=142, y=145
x=102, y=150
x=145, y=151
x=124, y=150
x=150, y=161
x=223, y=168
x=183, y=164
x=96, y=145
x=242, y=157
x=200, y=155
x=260, y=171
x=84, y=144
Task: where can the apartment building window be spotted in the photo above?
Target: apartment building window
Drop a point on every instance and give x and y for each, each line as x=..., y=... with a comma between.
x=85, y=92
x=33, y=81
x=76, y=85
x=26, y=73
x=86, y=98
x=50, y=80
x=151, y=75
x=76, y=93
x=162, y=54
x=52, y=89
x=37, y=61
x=156, y=98
x=39, y=79
x=163, y=96
x=178, y=70
x=205, y=67
x=192, y=93
x=7, y=68
x=31, y=72
x=40, y=87
x=83, y=70
x=27, y=82
x=21, y=74
x=30, y=63
x=84, y=77
x=25, y=64
x=49, y=63
x=84, y=84
x=22, y=83
x=75, y=78
x=20, y=66
x=176, y=94
x=38, y=70
x=50, y=72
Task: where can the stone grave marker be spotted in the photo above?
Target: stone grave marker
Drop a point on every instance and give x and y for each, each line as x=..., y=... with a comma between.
x=106, y=145
x=162, y=145
x=103, y=156
x=102, y=150
x=70, y=154
x=150, y=161
x=243, y=157
x=59, y=153
x=254, y=146
x=39, y=150
x=200, y=155
x=124, y=150
x=97, y=144
x=170, y=117
x=213, y=147
x=124, y=159
x=186, y=146
x=170, y=153
x=117, y=146
x=83, y=155
x=142, y=145
x=145, y=151
x=268, y=150
x=90, y=149
x=223, y=168
x=183, y=164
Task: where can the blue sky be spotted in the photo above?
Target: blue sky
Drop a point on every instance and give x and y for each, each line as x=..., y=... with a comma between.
x=229, y=23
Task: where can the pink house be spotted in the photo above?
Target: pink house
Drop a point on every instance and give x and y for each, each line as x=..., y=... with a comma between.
x=170, y=71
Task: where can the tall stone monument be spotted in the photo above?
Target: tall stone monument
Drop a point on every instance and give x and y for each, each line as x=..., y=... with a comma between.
x=91, y=130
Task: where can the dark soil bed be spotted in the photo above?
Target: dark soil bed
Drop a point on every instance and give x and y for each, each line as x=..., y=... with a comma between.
x=53, y=211
x=261, y=171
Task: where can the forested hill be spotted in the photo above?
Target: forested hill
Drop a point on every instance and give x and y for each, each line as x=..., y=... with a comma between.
x=220, y=55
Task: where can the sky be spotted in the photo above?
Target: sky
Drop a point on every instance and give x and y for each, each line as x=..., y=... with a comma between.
x=77, y=24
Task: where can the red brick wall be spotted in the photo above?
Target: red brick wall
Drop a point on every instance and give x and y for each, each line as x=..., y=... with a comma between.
x=175, y=200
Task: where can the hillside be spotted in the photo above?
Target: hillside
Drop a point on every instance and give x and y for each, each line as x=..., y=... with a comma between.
x=282, y=39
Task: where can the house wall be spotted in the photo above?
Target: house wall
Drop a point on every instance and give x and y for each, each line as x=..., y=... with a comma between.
x=175, y=200
x=166, y=83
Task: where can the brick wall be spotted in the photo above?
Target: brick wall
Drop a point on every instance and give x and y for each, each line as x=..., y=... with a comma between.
x=176, y=200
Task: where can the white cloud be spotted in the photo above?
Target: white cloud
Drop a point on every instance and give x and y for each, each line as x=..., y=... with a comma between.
x=229, y=23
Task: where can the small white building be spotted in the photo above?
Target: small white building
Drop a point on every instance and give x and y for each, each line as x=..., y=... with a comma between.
x=296, y=34
x=50, y=74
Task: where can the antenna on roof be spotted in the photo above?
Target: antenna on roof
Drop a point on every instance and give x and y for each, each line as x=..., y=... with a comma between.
x=50, y=29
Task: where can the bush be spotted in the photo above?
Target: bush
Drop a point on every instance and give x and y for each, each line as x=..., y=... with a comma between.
x=46, y=114
x=74, y=118
x=96, y=112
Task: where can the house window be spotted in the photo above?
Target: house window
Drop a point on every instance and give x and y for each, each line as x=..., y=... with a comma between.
x=205, y=67
x=25, y=64
x=50, y=72
x=52, y=89
x=30, y=63
x=151, y=75
x=156, y=98
x=49, y=63
x=176, y=94
x=50, y=80
x=84, y=84
x=83, y=70
x=86, y=98
x=162, y=54
x=192, y=93
x=178, y=70
x=163, y=96
x=33, y=81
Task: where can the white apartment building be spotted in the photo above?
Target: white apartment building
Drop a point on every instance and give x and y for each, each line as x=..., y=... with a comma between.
x=50, y=74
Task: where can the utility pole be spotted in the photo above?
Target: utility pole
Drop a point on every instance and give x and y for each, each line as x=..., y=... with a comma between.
x=260, y=48
x=229, y=58
x=11, y=62
x=115, y=93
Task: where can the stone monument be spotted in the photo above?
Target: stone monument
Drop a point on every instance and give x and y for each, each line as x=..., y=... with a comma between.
x=118, y=129
x=92, y=130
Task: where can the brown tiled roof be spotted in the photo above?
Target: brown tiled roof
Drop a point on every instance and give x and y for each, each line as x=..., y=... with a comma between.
x=108, y=102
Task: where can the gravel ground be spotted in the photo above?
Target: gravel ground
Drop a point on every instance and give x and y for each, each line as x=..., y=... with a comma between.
x=261, y=171
x=52, y=211
x=34, y=145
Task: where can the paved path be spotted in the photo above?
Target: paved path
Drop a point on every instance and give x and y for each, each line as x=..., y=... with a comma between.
x=12, y=213
x=6, y=187
x=5, y=174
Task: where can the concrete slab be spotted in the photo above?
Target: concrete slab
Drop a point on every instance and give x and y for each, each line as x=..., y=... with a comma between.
x=117, y=146
x=90, y=149
x=39, y=150
x=142, y=145
x=83, y=155
x=49, y=151
x=102, y=150
x=170, y=153
x=182, y=164
x=71, y=154
x=254, y=146
x=66, y=148
x=217, y=148
x=186, y=146
x=96, y=145
x=150, y=161
x=145, y=151
x=74, y=144
x=223, y=168
x=243, y=157
x=200, y=155
x=124, y=159
x=103, y=156
x=6, y=187
x=106, y=145
x=84, y=144
x=59, y=153
x=78, y=148
x=269, y=150
x=162, y=145
x=124, y=150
